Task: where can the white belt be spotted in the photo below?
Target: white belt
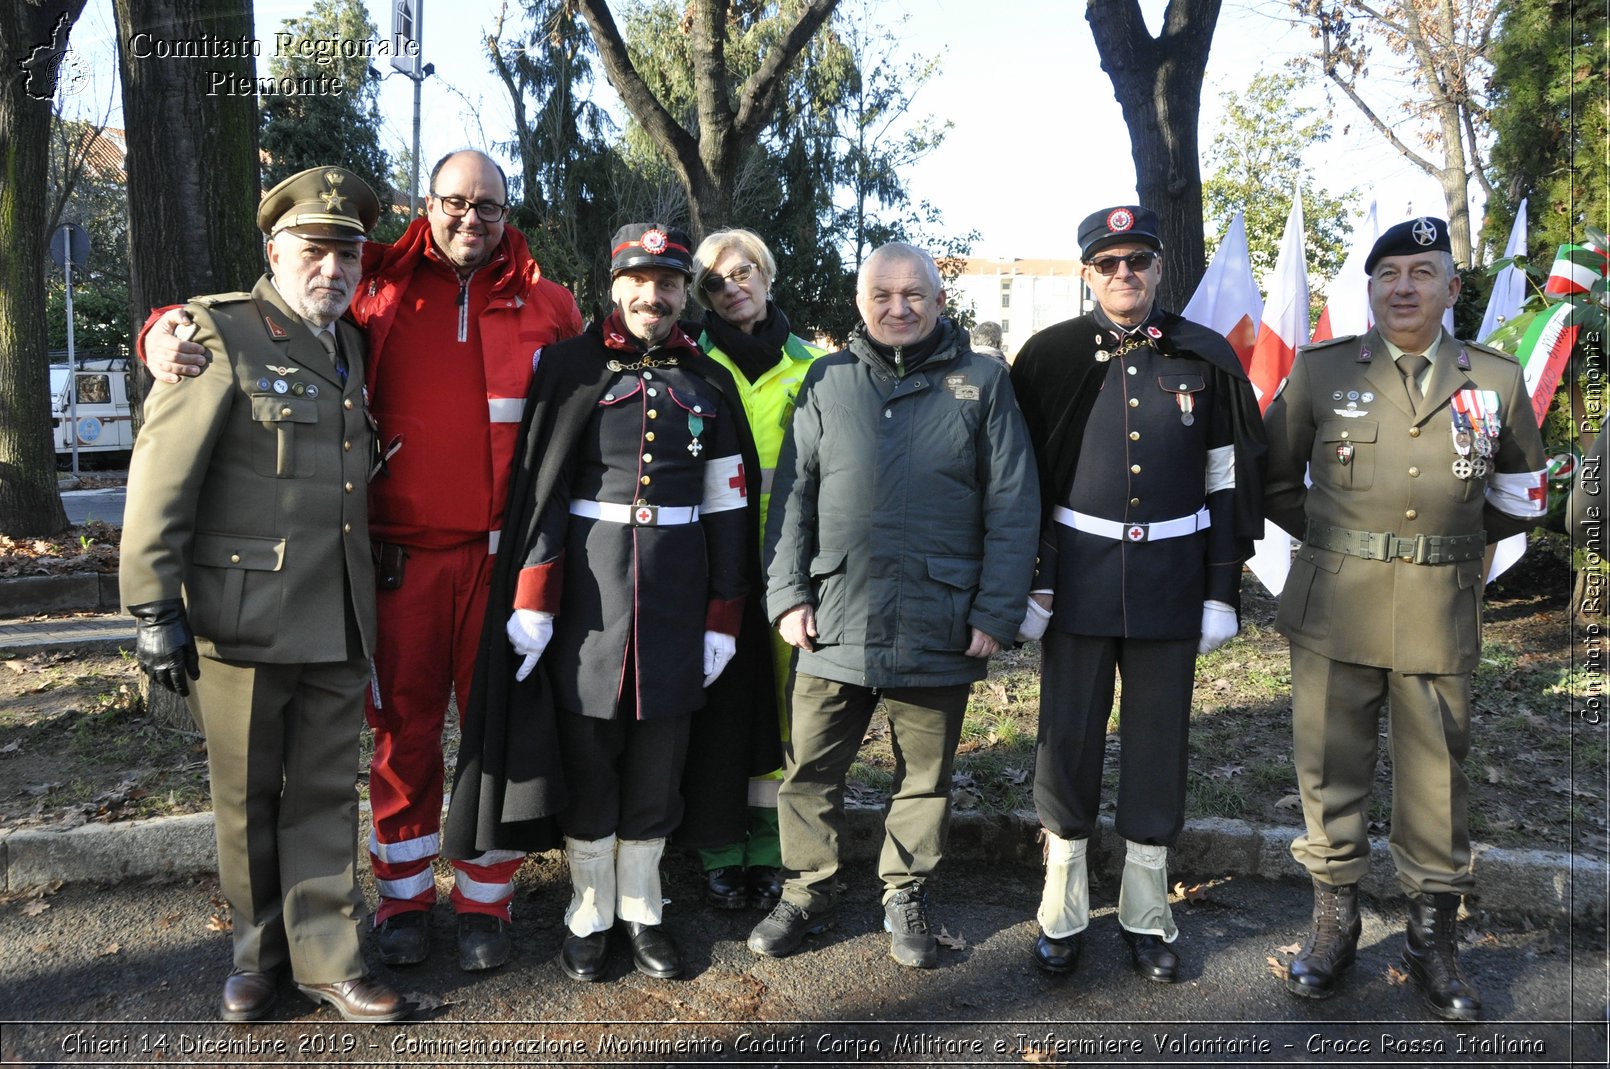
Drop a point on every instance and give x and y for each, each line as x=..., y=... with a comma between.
x=1134, y=532
x=636, y=515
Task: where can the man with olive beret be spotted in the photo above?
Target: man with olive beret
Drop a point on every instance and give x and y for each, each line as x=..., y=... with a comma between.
x=246, y=565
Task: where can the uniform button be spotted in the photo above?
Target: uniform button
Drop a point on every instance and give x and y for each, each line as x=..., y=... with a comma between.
x=644, y=480
x=1414, y=473
x=1414, y=432
x=349, y=488
x=1133, y=502
x=1134, y=436
x=1411, y=514
x=649, y=437
x=642, y=501
x=347, y=404
x=1344, y=434
x=1132, y=369
x=1134, y=402
x=648, y=458
x=609, y=397
x=346, y=528
x=234, y=558
x=1134, y=469
x=887, y=414
x=286, y=411
x=648, y=374
x=696, y=408
x=653, y=392
x=653, y=414
x=347, y=446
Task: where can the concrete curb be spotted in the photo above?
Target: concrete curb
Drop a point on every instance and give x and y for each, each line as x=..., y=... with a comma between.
x=77, y=592
x=1532, y=883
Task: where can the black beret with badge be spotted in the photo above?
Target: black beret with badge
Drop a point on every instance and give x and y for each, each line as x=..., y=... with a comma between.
x=651, y=245
x=1424, y=234
x=1125, y=223
x=321, y=202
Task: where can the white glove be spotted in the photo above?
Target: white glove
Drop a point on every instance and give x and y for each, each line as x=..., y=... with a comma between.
x=718, y=650
x=1219, y=626
x=1034, y=622
x=529, y=632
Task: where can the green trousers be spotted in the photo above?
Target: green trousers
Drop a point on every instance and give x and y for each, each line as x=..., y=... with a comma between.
x=829, y=720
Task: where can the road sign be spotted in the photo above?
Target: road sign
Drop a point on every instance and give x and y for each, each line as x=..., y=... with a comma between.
x=70, y=242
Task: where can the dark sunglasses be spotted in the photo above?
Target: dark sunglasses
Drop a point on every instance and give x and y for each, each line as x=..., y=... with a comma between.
x=717, y=283
x=1137, y=261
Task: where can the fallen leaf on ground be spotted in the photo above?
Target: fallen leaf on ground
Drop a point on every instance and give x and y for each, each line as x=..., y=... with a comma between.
x=1226, y=771
x=1277, y=968
x=1195, y=893
x=1290, y=801
x=109, y=949
x=1290, y=948
x=954, y=942
x=11, y=747
x=35, y=908
x=217, y=923
x=1397, y=976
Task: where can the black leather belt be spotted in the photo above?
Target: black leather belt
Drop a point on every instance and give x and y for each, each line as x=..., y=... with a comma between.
x=1383, y=545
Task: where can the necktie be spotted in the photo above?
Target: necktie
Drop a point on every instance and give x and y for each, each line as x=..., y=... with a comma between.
x=327, y=339
x=1412, y=365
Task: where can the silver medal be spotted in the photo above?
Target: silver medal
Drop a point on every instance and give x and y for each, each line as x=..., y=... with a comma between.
x=1463, y=468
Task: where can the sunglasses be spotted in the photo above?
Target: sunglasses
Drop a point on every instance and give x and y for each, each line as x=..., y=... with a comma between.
x=717, y=283
x=1137, y=261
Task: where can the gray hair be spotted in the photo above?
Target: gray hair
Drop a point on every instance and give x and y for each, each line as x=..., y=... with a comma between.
x=899, y=250
x=987, y=333
x=717, y=245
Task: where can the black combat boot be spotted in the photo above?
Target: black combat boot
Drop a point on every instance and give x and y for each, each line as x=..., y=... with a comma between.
x=1331, y=945
x=1429, y=953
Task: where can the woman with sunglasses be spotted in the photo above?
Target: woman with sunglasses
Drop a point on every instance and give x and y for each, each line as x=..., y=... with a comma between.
x=735, y=754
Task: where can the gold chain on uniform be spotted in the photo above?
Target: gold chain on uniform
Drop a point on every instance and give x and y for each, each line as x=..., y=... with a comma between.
x=647, y=361
x=1131, y=342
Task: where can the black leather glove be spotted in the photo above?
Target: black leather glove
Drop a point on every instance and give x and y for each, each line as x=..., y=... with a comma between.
x=164, y=645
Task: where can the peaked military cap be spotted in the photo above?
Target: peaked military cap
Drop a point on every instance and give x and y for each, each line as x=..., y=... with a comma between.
x=322, y=202
x=1110, y=226
x=1424, y=234
x=651, y=245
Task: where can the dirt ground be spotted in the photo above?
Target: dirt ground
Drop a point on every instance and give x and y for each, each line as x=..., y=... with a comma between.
x=76, y=744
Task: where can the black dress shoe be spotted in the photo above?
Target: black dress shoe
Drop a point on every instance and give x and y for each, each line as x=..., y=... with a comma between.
x=765, y=886
x=585, y=957
x=1058, y=955
x=404, y=938
x=724, y=887
x=364, y=1000
x=248, y=996
x=653, y=951
x=1153, y=958
x=483, y=941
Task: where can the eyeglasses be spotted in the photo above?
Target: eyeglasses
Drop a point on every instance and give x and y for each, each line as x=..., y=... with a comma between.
x=486, y=211
x=1137, y=261
x=717, y=283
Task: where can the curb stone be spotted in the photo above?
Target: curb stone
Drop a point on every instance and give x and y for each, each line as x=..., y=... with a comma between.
x=1532, y=883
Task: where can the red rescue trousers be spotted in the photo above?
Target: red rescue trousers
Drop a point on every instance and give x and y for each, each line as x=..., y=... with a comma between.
x=430, y=629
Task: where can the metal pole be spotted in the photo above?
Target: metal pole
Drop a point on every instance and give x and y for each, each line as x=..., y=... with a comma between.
x=72, y=359
x=413, y=181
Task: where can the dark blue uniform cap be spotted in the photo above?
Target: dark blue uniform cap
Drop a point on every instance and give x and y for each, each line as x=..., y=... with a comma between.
x=651, y=245
x=1110, y=226
x=1424, y=234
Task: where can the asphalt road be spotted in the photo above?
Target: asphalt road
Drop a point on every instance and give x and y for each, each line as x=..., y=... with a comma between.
x=105, y=505
x=130, y=975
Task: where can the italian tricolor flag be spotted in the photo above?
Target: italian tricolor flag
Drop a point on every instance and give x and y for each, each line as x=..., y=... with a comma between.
x=1545, y=347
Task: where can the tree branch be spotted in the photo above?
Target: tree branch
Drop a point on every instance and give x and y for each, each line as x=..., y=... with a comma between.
x=1381, y=127
x=760, y=93
x=634, y=92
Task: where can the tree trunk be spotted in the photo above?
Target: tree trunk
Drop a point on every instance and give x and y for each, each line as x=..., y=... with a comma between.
x=1158, y=83
x=193, y=183
x=30, y=503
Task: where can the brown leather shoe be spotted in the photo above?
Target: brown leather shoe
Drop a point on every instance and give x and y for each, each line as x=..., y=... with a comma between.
x=248, y=995
x=361, y=1001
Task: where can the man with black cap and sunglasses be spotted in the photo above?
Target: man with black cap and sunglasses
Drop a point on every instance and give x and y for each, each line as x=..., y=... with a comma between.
x=1150, y=455
x=1397, y=457
x=614, y=604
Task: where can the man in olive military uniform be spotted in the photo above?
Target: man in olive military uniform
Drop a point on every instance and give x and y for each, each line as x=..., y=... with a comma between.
x=1422, y=450
x=246, y=541
x=1150, y=452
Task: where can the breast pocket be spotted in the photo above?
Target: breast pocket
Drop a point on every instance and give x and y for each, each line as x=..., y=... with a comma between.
x=1344, y=456
x=285, y=446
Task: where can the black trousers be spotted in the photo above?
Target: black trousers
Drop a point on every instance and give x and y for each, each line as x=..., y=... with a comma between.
x=624, y=775
x=1076, y=690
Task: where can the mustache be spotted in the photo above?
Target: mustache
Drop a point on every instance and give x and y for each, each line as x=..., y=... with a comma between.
x=657, y=307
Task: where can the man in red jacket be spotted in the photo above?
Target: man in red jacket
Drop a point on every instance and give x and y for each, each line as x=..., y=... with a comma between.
x=456, y=312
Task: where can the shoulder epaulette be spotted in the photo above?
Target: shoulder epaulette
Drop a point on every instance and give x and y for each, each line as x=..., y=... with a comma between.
x=1478, y=347
x=1327, y=343
x=213, y=300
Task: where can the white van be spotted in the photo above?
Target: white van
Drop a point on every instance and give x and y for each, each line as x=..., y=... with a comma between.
x=104, y=420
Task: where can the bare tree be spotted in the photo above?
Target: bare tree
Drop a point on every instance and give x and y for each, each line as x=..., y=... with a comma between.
x=1444, y=45
x=38, y=32
x=727, y=122
x=1158, y=82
